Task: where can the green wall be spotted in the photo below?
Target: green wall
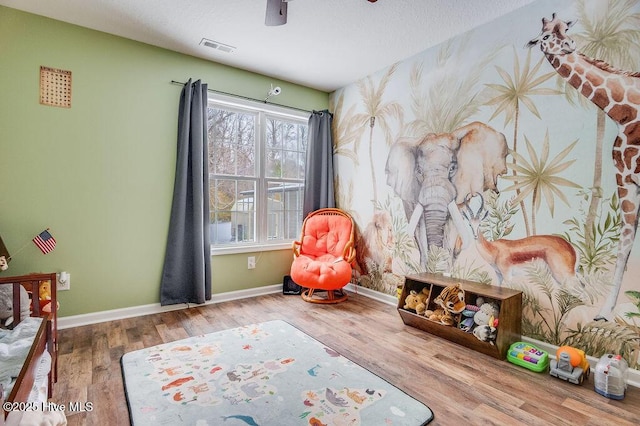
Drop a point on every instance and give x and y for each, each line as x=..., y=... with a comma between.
x=100, y=174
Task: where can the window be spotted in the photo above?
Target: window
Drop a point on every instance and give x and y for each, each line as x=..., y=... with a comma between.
x=257, y=159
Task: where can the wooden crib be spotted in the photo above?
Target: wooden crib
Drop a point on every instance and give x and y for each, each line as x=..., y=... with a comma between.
x=44, y=340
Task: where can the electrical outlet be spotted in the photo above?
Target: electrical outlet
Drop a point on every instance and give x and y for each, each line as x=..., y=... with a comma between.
x=64, y=281
x=251, y=262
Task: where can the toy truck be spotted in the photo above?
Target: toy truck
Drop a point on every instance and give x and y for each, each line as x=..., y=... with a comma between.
x=570, y=364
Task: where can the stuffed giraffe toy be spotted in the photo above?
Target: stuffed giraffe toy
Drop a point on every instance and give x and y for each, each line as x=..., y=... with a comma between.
x=617, y=93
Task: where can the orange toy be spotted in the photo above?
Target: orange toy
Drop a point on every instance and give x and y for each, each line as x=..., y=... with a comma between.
x=44, y=297
x=570, y=364
x=576, y=356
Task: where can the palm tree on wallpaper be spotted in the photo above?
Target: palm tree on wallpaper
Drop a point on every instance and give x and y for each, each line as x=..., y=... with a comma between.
x=345, y=130
x=378, y=112
x=517, y=90
x=545, y=306
x=344, y=197
x=610, y=34
x=540, y=177
x=631, y=323
x=346, y=139
x=452, y=96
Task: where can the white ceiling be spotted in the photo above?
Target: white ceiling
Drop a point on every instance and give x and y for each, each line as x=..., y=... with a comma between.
x=326, y=44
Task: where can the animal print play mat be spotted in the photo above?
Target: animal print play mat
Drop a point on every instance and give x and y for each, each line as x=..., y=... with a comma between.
x=261, y=374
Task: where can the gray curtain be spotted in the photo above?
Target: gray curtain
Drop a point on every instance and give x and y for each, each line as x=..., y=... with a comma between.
x=186, y=275
x=318, y=185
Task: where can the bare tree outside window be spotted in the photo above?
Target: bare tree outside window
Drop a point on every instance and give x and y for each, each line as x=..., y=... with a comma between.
x=256, y=162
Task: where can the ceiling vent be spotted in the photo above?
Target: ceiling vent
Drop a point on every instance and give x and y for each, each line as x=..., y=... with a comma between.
x=217, y=45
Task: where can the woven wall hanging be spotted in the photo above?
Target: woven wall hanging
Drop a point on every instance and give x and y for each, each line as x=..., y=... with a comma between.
x=55, y=87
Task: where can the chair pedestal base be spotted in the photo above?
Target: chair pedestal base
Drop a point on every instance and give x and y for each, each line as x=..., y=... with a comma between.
x=333, y=296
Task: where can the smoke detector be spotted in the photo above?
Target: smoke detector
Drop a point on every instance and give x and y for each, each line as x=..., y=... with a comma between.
x=217, y=45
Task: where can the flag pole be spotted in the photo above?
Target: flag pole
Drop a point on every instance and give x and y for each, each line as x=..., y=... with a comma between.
x=16, y=252
x=22, y=248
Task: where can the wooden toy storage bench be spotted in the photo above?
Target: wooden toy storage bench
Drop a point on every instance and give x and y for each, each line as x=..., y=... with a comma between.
x=508, y=300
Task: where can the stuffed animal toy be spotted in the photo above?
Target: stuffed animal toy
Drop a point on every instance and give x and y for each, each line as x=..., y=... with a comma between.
x=417, y=301
x=486, y=320
x=441, y=316
x=4, y=263
x=487, y=314
x=6, y=304
x=467, y=323
x=451, y=302
x=44, y=297
x=5, y=257
x=486, y=333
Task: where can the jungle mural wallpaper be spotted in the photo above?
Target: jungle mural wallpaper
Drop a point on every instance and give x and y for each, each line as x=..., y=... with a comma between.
x=509, y=155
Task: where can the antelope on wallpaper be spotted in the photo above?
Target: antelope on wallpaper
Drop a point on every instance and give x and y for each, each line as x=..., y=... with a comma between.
x=504, y=255
x=617, y=93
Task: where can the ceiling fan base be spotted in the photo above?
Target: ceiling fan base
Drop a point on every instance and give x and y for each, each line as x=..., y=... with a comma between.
x=276, y=13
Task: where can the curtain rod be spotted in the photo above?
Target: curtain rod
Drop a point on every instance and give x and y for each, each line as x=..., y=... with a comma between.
x=247, y=98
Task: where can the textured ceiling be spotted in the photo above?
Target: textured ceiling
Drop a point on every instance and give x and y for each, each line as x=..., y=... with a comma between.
x=326, y=44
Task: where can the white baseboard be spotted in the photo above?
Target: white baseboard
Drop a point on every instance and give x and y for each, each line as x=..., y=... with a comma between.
x=372, y=294
x=154, y=308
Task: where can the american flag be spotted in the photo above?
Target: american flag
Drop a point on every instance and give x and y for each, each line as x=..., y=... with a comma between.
x=45, y=241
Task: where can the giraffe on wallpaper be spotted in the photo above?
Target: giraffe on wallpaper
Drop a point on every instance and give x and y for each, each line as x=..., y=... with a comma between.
x=617, y=93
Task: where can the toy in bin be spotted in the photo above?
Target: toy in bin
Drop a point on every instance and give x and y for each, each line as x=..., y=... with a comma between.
x=528, y=356
x=611, y=376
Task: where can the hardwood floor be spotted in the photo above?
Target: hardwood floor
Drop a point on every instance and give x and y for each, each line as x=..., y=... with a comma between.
x=460, y=386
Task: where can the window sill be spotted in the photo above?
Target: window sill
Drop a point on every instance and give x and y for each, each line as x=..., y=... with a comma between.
x=218, y=251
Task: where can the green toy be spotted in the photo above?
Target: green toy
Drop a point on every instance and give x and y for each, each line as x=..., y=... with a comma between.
x=528, y=356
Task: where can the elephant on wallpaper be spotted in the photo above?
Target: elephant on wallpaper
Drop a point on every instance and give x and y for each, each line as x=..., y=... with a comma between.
x=431, y=173
x=481, y=159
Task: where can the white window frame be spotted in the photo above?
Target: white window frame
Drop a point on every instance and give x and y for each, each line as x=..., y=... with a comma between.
x=263, y=110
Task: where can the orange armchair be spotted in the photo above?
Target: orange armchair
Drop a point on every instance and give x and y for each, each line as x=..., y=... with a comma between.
x=324, y=255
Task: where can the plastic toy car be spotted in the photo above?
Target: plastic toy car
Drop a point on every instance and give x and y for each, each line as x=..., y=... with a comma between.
x=570, y=364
